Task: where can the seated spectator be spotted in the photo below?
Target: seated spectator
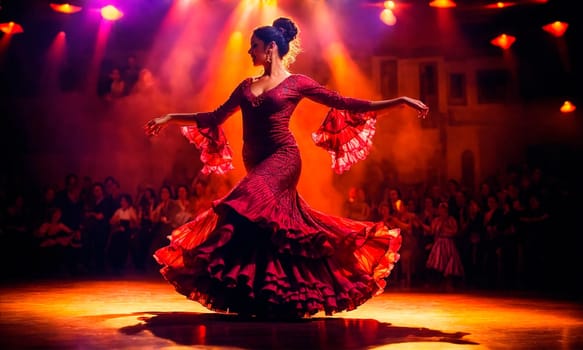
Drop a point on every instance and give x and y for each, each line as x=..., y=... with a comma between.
x=124, y=224
x=130, y=74
x=117, y=87
x=54, y=238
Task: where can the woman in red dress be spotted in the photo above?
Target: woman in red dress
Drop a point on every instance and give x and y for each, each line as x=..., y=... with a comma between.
x=261, y=250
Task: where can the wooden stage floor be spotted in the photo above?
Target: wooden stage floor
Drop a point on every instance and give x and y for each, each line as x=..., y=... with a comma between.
x=146, y=313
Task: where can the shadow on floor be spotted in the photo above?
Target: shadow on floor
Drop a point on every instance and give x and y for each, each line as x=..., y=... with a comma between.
x=187, y=328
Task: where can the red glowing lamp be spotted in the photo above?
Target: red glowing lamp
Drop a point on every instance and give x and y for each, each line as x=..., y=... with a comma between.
x=568, y=107
x=556, y=28
x=11, y=28
x=504, y=41
x=111, y=13
x=442, y=4
x=65, y=8
x=499, y=5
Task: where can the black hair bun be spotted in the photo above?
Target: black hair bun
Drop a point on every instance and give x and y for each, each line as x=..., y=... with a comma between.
x=287, y=27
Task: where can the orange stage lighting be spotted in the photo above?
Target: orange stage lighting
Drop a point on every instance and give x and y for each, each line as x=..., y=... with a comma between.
x=65, y=8
x=499, y=5
x=443, y=4
x=11, y=28
x=389, y=5
x=568, y=107
x=503, y=41
x=556, y=28
x=388, y=17
x=111, y=13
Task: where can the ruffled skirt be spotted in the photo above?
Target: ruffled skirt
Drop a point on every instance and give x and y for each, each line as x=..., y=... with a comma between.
x=262, y=250
x=258, y=252
x=444, y=257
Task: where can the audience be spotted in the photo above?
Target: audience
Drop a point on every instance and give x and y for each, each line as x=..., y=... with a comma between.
x=126, y=79
x=505, y=235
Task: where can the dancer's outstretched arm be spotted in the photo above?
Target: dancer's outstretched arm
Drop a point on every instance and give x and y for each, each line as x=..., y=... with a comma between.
x=416, y=104
x=155, y=125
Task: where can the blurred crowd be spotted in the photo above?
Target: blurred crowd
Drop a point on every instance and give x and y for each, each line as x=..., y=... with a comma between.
x=515, y=231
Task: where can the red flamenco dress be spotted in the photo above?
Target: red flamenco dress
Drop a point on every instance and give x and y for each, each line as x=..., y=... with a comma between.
x=262, y=250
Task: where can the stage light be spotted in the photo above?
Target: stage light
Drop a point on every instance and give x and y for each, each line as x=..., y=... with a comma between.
x=389, y=5
x=11, y=28
x=556, y=28
x=111, y=13
x=503, y=41
x=568, y=107
x=443, y=4
x=388, y=17
x=499, y=5
x=65, y=8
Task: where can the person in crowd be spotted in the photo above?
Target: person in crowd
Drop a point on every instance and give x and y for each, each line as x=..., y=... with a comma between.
x=123, y=225
x=426, y=240
x=185, y=205
x=130, y=74
x=492, y=243
x=407, y=222
x=142, y=240
x=164, y=218
x=70, y=202
x=356, y=206
x=113, y=192
x=96, y=226
x=117, y=86
x=444, y=256
x=54, y=238
x=471, y=240
x=45, y=205
x=536, y=222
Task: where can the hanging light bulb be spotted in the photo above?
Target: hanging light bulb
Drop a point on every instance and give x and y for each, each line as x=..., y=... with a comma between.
x=389, y=5
x=65, y=8
x=556, y=28
x=111, y=13
x=11, y=28
x=568, y=107
x=442, y=4
x=499, y=5
x=503, y=41
x=388, y=17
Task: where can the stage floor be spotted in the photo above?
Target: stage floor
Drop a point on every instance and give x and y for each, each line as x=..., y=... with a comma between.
x=146, y=313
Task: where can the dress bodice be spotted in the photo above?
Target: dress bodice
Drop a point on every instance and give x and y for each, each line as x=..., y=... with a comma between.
x=266, y=116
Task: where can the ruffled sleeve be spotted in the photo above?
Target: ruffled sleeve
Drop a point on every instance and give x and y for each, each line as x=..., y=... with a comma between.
x=215, y=153
x=347, y=136
x=208, y=136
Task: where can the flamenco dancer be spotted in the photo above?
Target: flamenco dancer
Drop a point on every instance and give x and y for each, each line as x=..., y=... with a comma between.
x=261, y=250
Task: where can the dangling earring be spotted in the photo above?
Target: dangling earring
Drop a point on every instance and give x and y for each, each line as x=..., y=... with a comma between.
x=268, y=58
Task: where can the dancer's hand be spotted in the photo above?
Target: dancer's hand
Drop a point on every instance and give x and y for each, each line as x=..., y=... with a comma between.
x=419, y=106
x=154, y=126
